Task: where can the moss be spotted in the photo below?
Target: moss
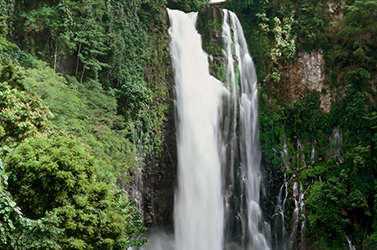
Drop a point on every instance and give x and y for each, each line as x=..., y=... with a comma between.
x=211, y=35
x=209, y=25
x=157, y=74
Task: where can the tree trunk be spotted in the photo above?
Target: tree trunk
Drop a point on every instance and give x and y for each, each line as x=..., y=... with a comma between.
x=77, y=62
x=82, y=75
x=55, y=56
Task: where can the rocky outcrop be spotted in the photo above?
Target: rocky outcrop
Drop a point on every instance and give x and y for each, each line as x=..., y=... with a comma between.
x=334, y=9
x=312, y=68
x=307, y=71
x=209, y=26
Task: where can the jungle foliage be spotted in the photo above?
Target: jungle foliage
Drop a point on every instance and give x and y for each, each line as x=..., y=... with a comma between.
x=57, y=175
x=339, y=175
x=54, y=193
x=277, y=30
x=81, y=99
x=92, y=76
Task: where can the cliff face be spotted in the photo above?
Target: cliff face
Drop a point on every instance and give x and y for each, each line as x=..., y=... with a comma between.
x=159, y=177
x=159, y=171
x=306, y=71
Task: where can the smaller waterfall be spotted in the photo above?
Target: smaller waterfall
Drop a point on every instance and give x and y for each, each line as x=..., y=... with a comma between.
x=284, y=153
x=242, y=86
x=282, y=239
x=302, y=213
x=312, y=153
x=300, y=153
x=137, y=186
x=298, y=218
x=351, y=247
x=336, y=146
x=279, y=232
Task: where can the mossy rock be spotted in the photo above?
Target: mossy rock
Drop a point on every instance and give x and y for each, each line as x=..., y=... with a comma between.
x=209, y=25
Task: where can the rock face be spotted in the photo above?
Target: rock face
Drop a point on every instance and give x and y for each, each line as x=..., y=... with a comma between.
x=209, y=26
x=312, y=67
x=159, y=177
x=307, y=71
x=334, y=9
x=159, y=172
x=206, y=18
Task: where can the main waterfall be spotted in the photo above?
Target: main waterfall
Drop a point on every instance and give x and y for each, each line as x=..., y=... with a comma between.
x=218, y=176
x=199, y=212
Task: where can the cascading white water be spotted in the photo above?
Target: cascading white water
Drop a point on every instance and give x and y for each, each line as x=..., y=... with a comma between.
x=208, y=151
x=278, y=219
x=279, y=232
x=303, y=216
x=298, y=212
x=199, y=206
x=336, y=144
x=252, y=237
x=351, y=247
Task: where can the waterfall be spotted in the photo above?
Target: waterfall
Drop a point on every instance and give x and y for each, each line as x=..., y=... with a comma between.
x=278, y=219
x=336, y=144
x=218, y=177
x=298, y=218
x=199, y=206
x=351, y=247
x=279, y=231
x=248, y=172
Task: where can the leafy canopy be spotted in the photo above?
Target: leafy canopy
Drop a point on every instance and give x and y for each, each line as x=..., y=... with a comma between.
x=57, y=174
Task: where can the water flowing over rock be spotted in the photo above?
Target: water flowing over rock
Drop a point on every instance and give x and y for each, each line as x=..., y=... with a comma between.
x=336, y=146
x=218, y=177
x=298, y=219
x=198, y=211
x=242, y=86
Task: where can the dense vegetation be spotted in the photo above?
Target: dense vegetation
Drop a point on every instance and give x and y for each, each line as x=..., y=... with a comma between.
x=90, y=76
x=80, y=101
x=339, y=178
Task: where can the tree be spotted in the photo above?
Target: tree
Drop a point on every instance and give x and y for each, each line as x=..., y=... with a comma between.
x=57, y=174
x=22, y=114
x=18, y=232
x=327, y=216
x=90, y=113
x=355, y=42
